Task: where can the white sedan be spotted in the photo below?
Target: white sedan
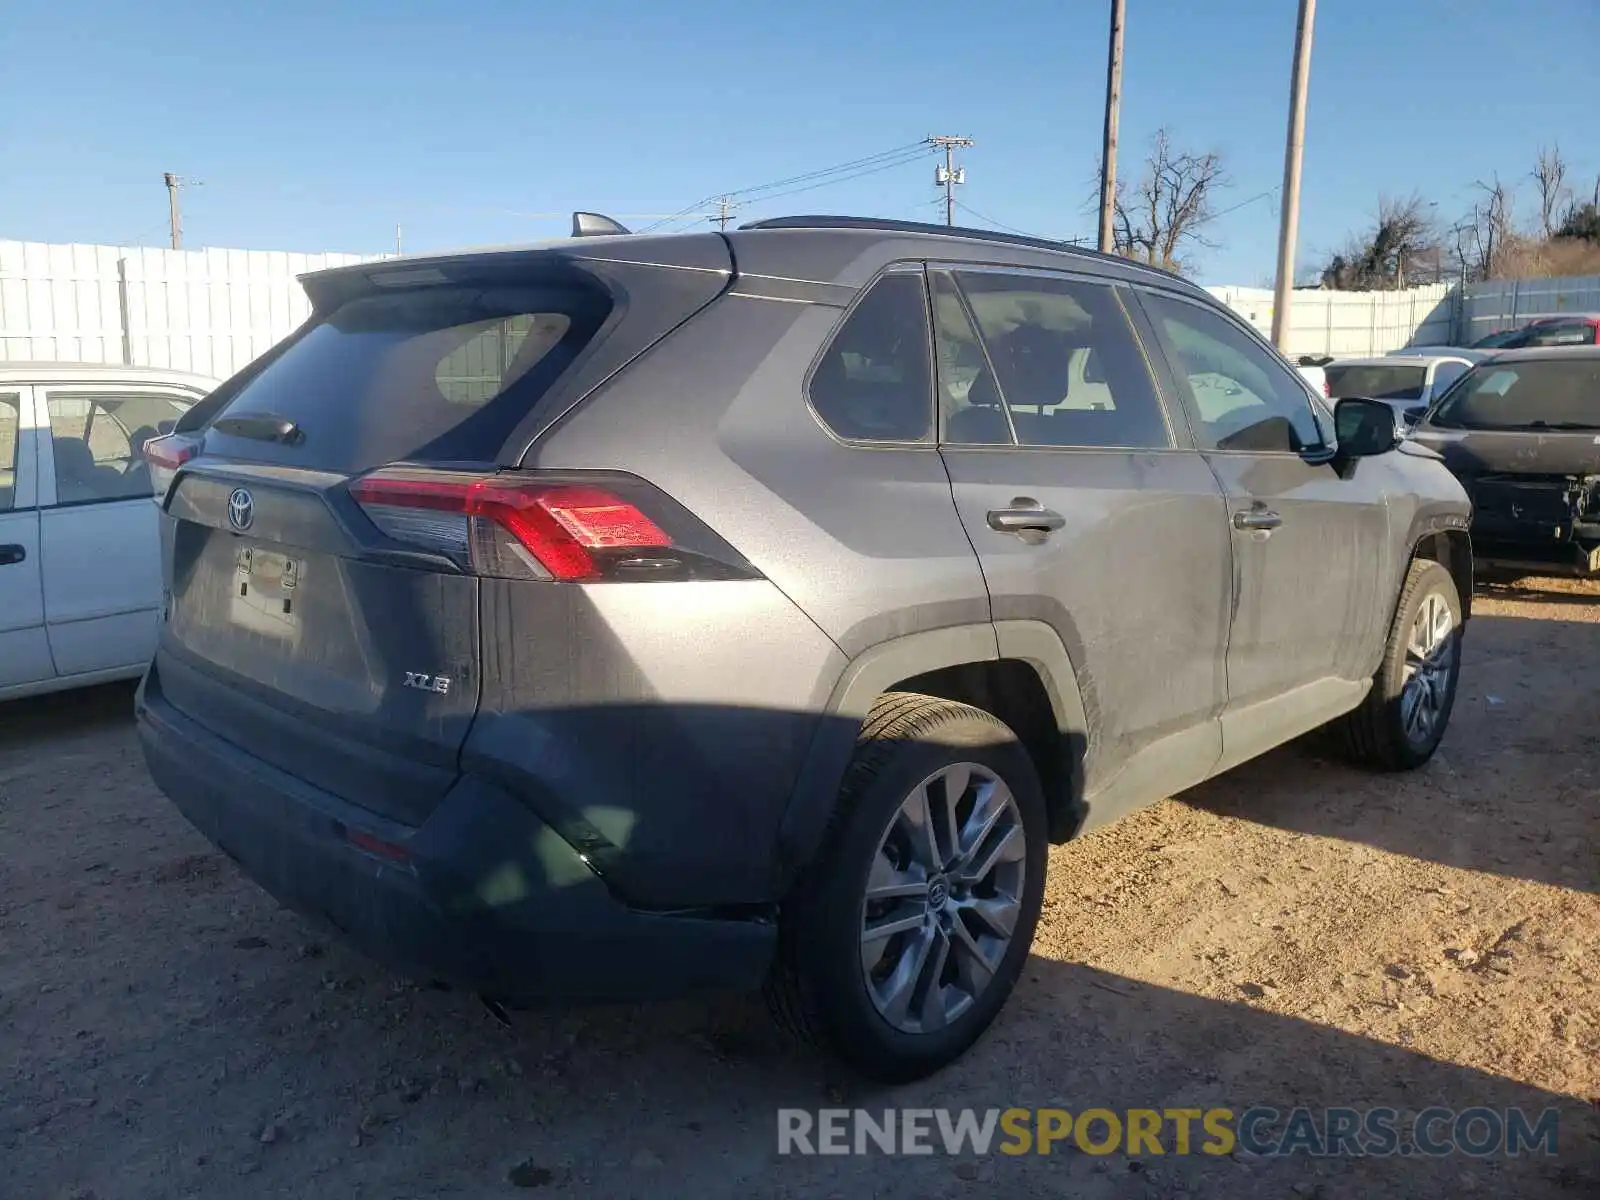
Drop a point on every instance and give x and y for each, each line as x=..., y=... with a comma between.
x=80, y=549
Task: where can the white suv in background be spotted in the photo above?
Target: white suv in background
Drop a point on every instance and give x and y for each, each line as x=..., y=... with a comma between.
x=80, y=553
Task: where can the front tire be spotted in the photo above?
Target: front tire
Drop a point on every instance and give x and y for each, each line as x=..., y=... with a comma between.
x=904, y=939
x=1400, y=723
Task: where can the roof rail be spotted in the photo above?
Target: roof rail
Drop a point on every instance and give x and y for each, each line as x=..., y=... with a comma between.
x=960, y=231
x=588, y=224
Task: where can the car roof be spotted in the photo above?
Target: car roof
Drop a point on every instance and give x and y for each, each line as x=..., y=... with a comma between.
x=75, y=372
x=1534, y=353
x=1460, y=353
x=1392, y=360
x=1588, y=317
x=808, y=248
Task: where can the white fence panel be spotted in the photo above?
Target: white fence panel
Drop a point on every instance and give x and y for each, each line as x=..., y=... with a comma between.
x=213, y=311
x=209, y=311
x=1507, y=303
x=1351, y=324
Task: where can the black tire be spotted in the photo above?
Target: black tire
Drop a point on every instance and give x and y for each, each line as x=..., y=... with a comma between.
x=1375, y=734
x=818, y=990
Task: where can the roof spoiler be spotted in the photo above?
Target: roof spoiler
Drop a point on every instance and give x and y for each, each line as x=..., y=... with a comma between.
x=588, y=224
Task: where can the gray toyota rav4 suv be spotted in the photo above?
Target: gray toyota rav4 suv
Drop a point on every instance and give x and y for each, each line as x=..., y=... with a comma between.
x=635, y=614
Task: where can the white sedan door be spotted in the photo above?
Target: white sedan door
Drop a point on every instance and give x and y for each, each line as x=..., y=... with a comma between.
x=24, y=648
x=100, y=529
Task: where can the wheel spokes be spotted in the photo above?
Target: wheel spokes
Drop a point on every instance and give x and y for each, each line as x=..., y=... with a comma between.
x=940, y=903
x=900, y=989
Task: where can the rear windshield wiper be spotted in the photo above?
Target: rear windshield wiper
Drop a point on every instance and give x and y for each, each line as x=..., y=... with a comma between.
x=263, y=427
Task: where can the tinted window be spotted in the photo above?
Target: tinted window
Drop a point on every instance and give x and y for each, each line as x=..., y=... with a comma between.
x=96, y=438
x=873, y=382
x=1561, y=333
x=1376, y=382
x=10, y=428
x=1445, y=374
x=439, y=373
x=1069, y=370
x=1525, y=395
x=1241, y=396
x=968, y=399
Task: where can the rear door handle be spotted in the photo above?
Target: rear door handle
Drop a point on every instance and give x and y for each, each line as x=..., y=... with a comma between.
x=1256, y=518
x=12, y=554
x=1025, y=516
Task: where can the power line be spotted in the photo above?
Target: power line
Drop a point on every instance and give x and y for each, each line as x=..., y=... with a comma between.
x=838, y=173
x=1266, y=195
x=878, y=170
x=967, y=208
x=914, y=149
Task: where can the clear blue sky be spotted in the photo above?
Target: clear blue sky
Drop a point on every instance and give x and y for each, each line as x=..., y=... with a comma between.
x=318, y=126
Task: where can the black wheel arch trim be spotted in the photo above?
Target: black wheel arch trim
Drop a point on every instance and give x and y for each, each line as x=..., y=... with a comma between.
x=1456, y=529
x=877, y=670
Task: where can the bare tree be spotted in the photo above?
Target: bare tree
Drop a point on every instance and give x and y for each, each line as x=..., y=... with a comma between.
x=1550, y=176
x=1170, y=206
x=1489, y=230
x=1399, y=246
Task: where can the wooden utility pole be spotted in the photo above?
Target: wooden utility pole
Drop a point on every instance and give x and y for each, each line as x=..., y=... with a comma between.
x=172, y=210
x=1289, y=222
x=1108, y=148
x=949, y=175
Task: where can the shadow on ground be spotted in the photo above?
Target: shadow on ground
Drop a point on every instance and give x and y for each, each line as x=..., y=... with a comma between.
x=170, y=1031
x=1512, y=790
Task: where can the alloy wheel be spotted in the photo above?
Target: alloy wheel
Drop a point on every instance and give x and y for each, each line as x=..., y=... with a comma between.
x=1429, y=669
x=942, y=898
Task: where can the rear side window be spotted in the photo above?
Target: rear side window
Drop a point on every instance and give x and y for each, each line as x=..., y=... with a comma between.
x=10, y=428
x=96, y=439
x=1069, y=370
x=1562, y=333
x=1445, y=374
x=874, y=381
x=439, y=374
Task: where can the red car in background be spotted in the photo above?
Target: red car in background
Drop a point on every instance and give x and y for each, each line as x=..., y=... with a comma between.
x=1569, y=329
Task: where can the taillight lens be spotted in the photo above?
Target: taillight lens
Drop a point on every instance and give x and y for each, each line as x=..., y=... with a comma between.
x=520, y=526
x=165, y=455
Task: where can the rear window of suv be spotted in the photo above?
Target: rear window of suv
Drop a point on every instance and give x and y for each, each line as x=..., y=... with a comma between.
x=1376, y=382
x=434, y=374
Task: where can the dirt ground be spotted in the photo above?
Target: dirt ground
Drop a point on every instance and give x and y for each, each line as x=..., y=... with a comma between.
x=1295, y=933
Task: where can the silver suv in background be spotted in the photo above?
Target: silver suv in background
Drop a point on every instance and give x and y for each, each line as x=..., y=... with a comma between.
x=635, y=614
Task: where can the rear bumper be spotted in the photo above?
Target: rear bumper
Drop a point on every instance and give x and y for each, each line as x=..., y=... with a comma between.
x=483, y=894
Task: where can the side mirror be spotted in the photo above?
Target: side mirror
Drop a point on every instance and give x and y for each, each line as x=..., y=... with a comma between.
x=1364, y=427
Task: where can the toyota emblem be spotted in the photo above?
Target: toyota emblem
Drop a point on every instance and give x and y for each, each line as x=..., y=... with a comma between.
x=241, y=509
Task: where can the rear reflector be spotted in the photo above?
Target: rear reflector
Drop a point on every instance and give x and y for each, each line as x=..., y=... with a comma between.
x=515, y=525
x=376, y=845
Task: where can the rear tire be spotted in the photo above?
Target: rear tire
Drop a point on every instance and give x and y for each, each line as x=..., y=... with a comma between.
x=941, y=817
x=1400, y=723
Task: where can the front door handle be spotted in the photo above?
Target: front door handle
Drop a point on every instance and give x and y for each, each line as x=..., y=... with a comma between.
x=1256, y=518
x=12, y=554
x=1025, y=516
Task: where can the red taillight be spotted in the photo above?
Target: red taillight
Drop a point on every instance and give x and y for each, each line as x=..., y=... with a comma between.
x=170, y=451
x=562, y=529
x=1326, y=389
x=165, y=455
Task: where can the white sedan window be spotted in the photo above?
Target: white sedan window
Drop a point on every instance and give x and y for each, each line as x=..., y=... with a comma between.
x=97, y=439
